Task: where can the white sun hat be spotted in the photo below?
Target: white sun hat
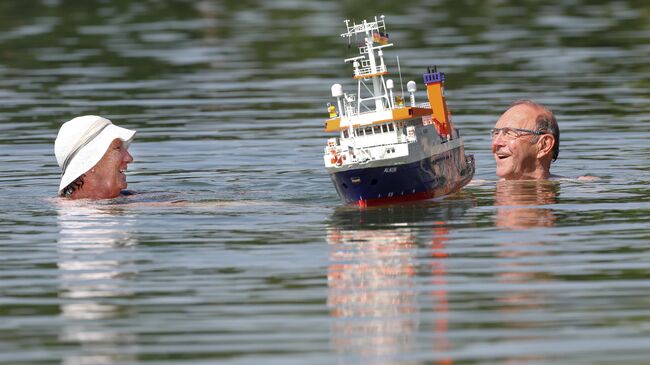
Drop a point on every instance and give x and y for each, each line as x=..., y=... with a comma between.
x=82, y=142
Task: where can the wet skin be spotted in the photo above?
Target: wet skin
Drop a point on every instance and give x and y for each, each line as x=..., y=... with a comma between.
x=106, y=179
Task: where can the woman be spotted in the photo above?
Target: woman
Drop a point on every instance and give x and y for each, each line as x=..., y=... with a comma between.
x=93, y=155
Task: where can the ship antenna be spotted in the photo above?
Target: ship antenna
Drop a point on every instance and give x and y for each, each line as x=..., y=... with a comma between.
x=401, y=83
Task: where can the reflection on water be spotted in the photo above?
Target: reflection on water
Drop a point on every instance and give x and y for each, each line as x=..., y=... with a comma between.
x=94, y=274
x=374, y=286
x=227, y=97
x=372, y=293
x=521, y=204
x=440, y=294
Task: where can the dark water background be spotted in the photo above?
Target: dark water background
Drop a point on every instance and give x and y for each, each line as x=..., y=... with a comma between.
x=259, y=262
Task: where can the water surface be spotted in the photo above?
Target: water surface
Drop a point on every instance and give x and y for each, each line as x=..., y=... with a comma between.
x=236, y=249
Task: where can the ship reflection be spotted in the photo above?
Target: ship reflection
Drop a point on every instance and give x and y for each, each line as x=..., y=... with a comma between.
x=375, y=280
x=94, y=268
x=520, y=204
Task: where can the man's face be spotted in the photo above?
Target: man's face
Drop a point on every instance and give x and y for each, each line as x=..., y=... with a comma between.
x=516, y=157
x=107, y=178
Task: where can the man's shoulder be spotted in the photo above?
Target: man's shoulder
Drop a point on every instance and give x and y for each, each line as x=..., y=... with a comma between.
x=585, y=178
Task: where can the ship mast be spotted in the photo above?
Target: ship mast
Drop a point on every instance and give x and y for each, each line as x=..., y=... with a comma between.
x=366, y=67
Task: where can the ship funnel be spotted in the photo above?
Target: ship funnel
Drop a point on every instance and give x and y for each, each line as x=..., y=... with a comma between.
x=411, y=87
x=435, y=91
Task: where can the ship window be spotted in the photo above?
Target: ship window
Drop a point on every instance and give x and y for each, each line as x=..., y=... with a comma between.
x=345, y=133
x=359, y=132
x=384, y=128
x=377, y=129
x=368, y=131
x=391, y=128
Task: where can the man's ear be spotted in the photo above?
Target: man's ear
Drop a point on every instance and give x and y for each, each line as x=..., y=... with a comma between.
x=545, y=145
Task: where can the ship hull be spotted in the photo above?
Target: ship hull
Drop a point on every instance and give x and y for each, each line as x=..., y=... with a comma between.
x=428, y=178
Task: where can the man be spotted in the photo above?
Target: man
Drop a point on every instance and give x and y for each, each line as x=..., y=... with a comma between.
x=93, y=155
x=525, y=140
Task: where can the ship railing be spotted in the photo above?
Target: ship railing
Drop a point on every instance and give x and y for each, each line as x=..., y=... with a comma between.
x=364, y=27
x=381, y=145
x=362, y=154
x=384, y=152
x=369, y=70
x=364, y=49
x=366, y=156
x=351, y=111
x=365, y=63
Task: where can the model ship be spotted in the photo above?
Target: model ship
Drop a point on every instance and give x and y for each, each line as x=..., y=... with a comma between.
x=387, y=151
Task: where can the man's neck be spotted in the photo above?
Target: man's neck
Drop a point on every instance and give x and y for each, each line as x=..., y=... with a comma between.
x=86, y=192
x=539, y=173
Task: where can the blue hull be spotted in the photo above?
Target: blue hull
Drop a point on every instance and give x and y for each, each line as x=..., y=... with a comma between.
x=425, y=179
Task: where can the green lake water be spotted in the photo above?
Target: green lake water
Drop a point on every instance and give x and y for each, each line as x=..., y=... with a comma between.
x=237, y=250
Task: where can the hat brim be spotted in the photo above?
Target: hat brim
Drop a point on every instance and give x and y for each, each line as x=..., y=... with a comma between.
x=90, y=154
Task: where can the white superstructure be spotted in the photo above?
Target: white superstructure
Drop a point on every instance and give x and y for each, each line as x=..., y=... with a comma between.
x=373, y=123
x=387, y=151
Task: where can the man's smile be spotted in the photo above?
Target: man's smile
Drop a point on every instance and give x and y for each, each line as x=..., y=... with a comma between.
x=500, y=152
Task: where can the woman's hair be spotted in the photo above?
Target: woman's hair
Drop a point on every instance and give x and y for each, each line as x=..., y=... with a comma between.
x=73, y=186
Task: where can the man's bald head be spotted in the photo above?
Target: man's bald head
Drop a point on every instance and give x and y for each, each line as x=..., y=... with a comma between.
x=525, y=140
x=545, y=122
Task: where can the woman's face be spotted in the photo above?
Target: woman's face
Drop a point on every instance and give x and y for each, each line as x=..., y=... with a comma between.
x=106, y=179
